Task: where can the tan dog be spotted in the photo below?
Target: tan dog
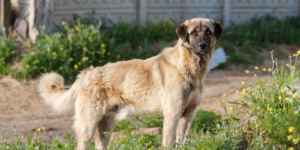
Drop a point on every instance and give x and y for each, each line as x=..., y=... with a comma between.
x=169, y=83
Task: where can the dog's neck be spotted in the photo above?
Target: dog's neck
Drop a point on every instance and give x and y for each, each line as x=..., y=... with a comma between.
x=194, y=67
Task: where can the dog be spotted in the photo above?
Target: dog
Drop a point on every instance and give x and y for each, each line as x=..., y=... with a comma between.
x=169, y=83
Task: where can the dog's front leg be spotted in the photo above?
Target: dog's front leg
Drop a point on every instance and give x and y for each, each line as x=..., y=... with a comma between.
x=185, y=124
x=169, y=127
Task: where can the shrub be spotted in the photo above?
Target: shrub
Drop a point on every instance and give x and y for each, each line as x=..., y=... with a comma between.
x=271, y=107
x=8, y=47
x=82, y=45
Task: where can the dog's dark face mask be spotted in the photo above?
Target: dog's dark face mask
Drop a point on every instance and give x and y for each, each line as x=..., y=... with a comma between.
x=199, y=35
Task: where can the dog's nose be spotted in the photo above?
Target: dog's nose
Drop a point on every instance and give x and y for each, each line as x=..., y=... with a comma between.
x=202, y=45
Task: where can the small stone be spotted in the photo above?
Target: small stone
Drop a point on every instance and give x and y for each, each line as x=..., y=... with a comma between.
x=20, y=29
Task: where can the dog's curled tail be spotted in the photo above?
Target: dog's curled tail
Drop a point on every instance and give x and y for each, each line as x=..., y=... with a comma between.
x=51, y=89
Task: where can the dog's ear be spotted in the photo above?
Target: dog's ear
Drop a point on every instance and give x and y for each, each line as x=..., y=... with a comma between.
x=182, y=31
x=218, y=30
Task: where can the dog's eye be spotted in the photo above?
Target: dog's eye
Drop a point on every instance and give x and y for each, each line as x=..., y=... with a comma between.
x=193, y=33
x=208, y=32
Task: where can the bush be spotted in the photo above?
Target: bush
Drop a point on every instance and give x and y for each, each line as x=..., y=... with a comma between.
x=239, y=40
x=82, y=45
x=271, y=107
x=8, y=47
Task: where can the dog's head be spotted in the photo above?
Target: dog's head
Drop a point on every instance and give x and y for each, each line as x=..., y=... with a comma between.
x=199, y=35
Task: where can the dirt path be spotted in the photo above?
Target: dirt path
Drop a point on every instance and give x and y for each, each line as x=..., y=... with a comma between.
x=21, y=107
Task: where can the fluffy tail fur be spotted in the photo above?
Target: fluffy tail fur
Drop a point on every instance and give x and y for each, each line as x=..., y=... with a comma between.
x=51, y=89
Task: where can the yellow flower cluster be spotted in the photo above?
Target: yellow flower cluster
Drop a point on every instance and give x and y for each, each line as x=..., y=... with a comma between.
x=270, y=110
x=247, y=71
x=289, y=137
x=291, y=129
x=76, y=28
x=54, y=55
x=295, y=141
x=75, y=67
x=90, y=39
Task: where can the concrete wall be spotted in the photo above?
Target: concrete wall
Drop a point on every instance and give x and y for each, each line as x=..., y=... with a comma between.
x=52, y=12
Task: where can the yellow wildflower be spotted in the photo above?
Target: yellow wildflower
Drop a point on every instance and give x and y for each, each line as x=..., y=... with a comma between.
x=208, y=110
x=61, y=49
x=291, y=148
x=287, y=65
x=236, y=91
x=256, y=95
x=84, y=59
x=247, y=89
x=291, y=129
x=286, y=99
x=258, y=87
x=75, y=67
x=84, y=49
x=247, y=71
x=254, y=75
x=298, y=52
x=282, y=91
x=256, y=68
x=27, y=66
x=79, y=63
x=76, y=28
x=54, y=53
x=295, y=141
x=293, y=67
x=60, y=67
x=62, y=60
x=295, y=96
x=118, y=56
x=224, y=95
x=279, y=98
x=42, y=67
x=39, y=129
x=269, y=109
x=45, y=69
x=264, y=69
x=151, y=146
x=102, y=45
x=243, y=82
x=63, y=23
x=269, y=69
x=140, y=47
x=231, y=109
x=289, y=137
x=108, y=53
x=162, y=145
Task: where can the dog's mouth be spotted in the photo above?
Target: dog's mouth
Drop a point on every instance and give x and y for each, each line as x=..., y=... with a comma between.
x=201, y=51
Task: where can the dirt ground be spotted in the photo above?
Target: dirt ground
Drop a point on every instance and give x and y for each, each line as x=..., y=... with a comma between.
x=21, y=107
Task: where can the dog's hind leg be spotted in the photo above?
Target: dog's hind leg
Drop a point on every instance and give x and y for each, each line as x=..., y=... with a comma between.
x=185, y=124
x=104, y=130
x=87, y=115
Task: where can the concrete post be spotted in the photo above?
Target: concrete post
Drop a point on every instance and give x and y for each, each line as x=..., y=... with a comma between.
x=142, y=12
x=5, y=15
x=226, y=13
x=299, y=7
